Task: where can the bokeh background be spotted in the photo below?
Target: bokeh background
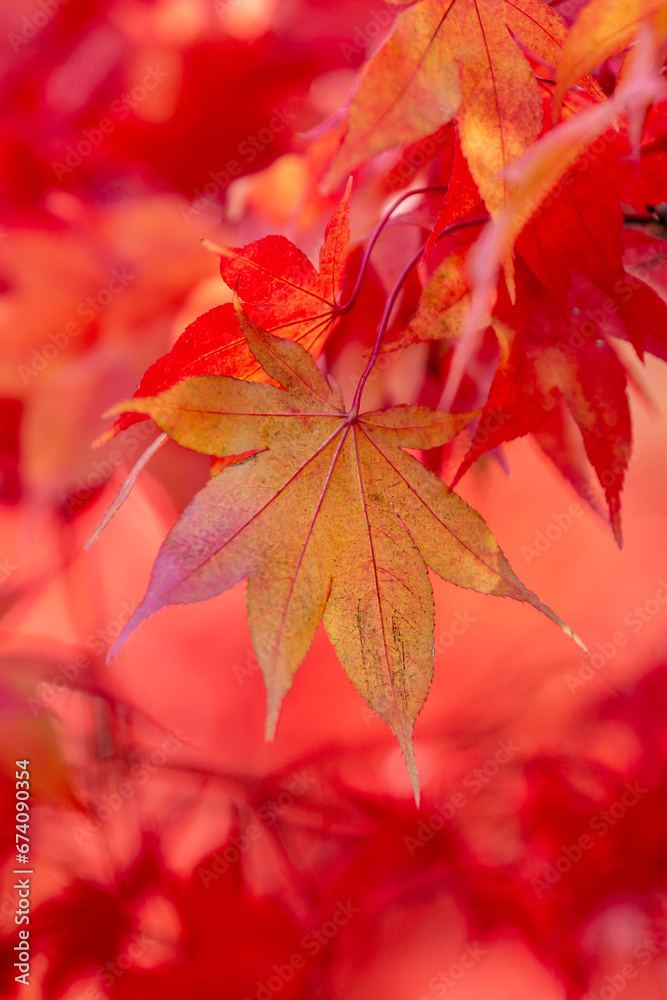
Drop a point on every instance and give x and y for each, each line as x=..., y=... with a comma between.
x=175, y=853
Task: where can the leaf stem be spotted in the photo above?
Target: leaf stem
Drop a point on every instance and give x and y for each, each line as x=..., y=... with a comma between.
x=391, y=301
x=655, y=216
x=345, y=308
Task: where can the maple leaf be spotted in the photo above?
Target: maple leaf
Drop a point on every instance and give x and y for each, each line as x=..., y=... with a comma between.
x=444, y=303
x=443, y=313
x=547, y=361
x=332, y=520
x=560, y=438
x=280, y=289
x=575, y=226
x=580, y=231
x=457, y=58
x=602, y=28
x=461, y=197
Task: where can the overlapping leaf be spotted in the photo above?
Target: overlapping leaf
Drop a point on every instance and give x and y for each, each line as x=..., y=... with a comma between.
x=461, y=198
x=602, y=28
x=444, y=303
x=580, y=231
x=546, y=360
x=557, y=200
x=548, y=356
x=331, y=520
x=457, y=58
x=280, y=289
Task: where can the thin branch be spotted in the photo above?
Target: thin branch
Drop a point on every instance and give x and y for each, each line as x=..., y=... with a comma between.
x=341, y=310
x=391, y=301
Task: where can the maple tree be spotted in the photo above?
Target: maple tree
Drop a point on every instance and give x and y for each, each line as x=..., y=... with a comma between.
x=351, y=520
x=323, y=288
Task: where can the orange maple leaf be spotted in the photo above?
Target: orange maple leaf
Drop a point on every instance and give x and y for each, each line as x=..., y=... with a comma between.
x=331, y=520
x=602, y=28
x=280, y=289
x=544, y=360
x=548, y=361
x=457, y=58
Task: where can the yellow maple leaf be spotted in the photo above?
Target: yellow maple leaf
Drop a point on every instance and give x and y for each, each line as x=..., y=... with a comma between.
x=330, y=520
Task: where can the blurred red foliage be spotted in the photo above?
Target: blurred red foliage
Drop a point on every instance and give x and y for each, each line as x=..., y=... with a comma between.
x=175, y=853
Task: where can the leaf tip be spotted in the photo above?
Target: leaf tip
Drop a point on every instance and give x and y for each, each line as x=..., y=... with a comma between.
x=126, y=488
x=557, y=620
x=568, y=631
x=124, y=406
x=273, y=702
x=105, y=436
x=573, y=635
x=416, y=791
x=615, y=519
x=408, y=751
x=120, y=641
x=136, y=618
x=212, y=247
